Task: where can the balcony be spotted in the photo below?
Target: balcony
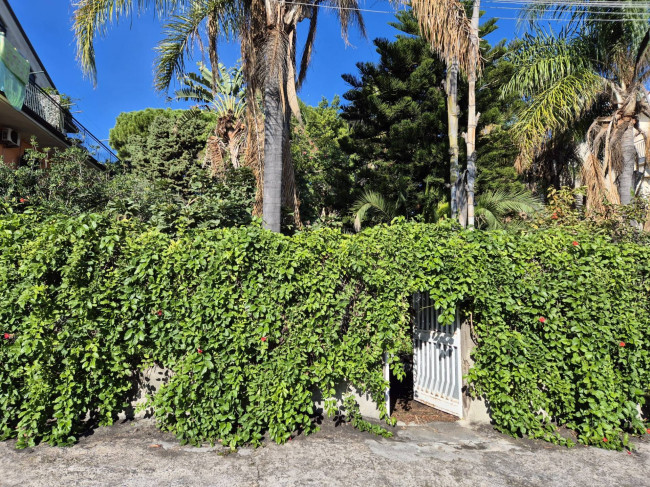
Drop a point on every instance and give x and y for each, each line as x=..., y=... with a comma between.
x=47, y=109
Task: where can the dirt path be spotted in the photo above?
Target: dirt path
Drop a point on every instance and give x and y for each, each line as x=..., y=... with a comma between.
x=438, y=454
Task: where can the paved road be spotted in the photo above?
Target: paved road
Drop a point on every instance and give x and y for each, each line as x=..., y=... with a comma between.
x=438, y=454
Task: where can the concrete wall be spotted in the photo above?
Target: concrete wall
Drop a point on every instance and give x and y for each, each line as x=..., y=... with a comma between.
x=367, y=407
x=150, y=380
x=475, y=410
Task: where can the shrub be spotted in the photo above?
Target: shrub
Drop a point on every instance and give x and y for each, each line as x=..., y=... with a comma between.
x=71, y=187
x=68, y=186
x=251, y=322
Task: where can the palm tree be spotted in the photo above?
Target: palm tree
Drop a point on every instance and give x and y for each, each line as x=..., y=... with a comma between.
x=445, y=25
x=373, y=202
x=225, y=96
x=472, y=115
x=493, y=209
x=590, y=73
x=268, y=34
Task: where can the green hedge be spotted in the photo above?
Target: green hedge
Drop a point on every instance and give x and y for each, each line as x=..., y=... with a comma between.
x=251, y=322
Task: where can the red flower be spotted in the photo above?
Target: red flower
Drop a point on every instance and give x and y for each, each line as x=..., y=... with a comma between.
x=554, y=216
x=605, y=440
x=22, y=200
x=7, y=336
x=648, y=431
x=263, y=339
x=622, y=344
x=199, y=350
x=542, y=319
x=159, y=312
x=575, y=244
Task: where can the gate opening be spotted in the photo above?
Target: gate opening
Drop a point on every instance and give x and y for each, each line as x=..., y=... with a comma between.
x=404, y=407
x=432, y=388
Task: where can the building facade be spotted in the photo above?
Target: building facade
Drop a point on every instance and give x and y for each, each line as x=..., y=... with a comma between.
x=31, y=108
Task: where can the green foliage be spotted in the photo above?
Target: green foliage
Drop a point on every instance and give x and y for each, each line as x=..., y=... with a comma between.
x=571, y=81
x=374, y=203
x=251, y=322
x=166, y=159
x=68, y=186
x=325, y=174
x=398, y=118
x=130, y=124
x=169, y=200
x=169, y=153
x=226, y=95
x=493, y=207
x=130, y=136
x=353, y=416
x=619, y=222
x=207, y=202
x=563, y=340
x=495, y=151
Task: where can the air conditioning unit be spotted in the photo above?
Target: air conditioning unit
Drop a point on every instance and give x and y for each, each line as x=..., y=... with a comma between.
x=9, y=137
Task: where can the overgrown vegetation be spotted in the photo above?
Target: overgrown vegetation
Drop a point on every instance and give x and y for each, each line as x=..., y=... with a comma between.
x=157, y=187
x=251, y=322
x=158, y=262
x=390, y=138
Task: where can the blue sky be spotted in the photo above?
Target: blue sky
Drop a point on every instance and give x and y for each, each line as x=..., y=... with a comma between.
x=125, y=58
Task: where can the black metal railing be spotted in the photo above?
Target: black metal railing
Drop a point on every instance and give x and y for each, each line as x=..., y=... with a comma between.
x=48, y=109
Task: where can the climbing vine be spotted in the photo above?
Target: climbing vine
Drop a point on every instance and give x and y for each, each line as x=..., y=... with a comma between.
x=251, y=323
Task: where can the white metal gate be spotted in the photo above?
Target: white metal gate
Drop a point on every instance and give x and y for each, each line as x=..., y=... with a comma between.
x=437, y=372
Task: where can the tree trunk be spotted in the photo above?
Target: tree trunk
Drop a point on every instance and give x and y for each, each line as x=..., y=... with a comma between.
x=273, y=144
x=626, y=177
x=451, y=87
x=472, y=116
x=461, y=198
x=213, y=32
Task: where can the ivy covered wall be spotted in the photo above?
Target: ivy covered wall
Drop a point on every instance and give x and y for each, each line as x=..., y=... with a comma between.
x=250, y=322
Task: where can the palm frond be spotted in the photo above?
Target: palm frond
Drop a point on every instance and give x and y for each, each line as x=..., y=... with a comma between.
x=227, y=94
x=375, y=202
x=194, y=94
x=92, y=18
x=183, y=30
x=445, y=25
x=543, y=59
x=348, y=14
x=641, y=61
x=553, y=110
x=307, y=49
x=493, y=206
x=203, y=77
x=180, y=32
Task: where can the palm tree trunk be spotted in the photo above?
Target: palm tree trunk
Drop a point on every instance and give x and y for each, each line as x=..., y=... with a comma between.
x=213, y=32
x=451, y=87
x=273, y=144
x=472, y=116
x=626, y=177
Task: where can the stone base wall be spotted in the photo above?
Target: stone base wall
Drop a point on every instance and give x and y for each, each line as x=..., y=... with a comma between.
x=475, y=410
x=150, y=380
